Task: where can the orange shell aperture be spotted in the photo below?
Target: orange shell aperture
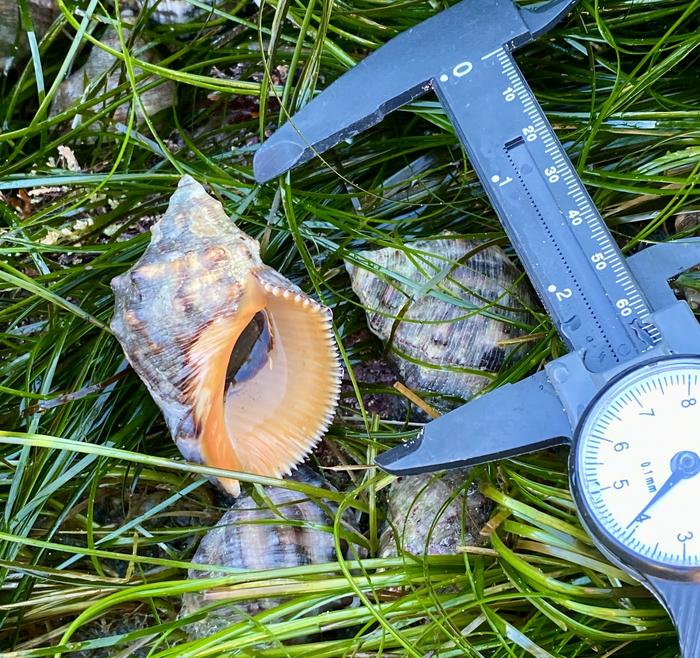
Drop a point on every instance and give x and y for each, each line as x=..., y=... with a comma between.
x=241, y=362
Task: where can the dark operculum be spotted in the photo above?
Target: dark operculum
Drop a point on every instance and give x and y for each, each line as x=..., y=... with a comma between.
x=250, y=353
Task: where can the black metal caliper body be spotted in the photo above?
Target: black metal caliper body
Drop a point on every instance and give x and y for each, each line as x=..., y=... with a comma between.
x=612, y=312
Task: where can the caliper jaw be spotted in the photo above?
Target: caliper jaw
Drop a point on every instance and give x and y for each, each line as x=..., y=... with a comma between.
x=655, y=266
x=511, y=420
x=400, y=71
x=544, y=409
x=541, y=18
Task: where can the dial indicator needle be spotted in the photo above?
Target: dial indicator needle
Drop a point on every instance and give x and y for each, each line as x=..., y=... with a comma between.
x=684, y=465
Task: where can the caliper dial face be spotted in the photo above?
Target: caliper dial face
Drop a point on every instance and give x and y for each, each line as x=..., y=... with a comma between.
x=637, y=464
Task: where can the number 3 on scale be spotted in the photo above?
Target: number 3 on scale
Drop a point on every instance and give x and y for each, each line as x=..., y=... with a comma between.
x=561, y=295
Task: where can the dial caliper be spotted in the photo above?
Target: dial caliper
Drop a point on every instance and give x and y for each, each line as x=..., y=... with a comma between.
x=627, y=395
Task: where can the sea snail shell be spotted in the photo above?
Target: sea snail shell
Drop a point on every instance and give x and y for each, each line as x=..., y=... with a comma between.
x=286, y=529
x=437, y=344
x=240, y=361
x=99, y=75
x=13, y=39
x=433, y=514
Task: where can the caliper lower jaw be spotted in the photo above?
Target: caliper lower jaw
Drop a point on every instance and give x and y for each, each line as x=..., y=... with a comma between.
x=544, y=409
x=510, y=420
x=401, y=71
x=538, y=412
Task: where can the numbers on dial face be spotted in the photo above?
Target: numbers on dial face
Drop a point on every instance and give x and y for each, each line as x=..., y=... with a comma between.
x=638, y=462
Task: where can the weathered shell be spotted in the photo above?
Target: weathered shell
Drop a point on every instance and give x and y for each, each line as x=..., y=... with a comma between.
x=168, y=11
x=687, y=221
x=433, y=514
x=440, y=313
x=101, y=73
x=13, y=42
x=114, y=507
x=241, y=362
x=288, y=532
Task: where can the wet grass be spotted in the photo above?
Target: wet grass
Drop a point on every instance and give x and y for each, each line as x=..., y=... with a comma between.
x=618, y=80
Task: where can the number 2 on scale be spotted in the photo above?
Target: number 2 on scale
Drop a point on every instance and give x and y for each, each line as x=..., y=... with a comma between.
x=561, y=295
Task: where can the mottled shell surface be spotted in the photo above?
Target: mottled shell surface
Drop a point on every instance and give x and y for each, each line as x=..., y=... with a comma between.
x=433, y=514
x=101, y=73
x=240, y=361
x=256, y=536
x=13, y=43
x=443, y=316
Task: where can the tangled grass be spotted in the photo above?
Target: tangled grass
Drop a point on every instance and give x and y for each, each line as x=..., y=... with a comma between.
x=618, y=80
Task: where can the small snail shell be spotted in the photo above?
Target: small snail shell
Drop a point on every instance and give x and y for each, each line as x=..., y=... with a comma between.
x=686, y=221
x=99, y=75
x=241, y=362
x=436, y=344
x=420, y=520
x=13, y=41
x=291, y=530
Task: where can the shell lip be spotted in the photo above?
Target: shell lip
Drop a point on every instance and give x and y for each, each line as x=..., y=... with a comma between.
x=285, y=388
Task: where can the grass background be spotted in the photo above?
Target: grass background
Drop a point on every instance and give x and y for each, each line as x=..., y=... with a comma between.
x=619, y=81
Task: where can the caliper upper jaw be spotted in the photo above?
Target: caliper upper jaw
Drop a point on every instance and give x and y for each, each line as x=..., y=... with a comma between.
x=653, y=267
x=541, y=18
x=511, y=420
x=400, y=71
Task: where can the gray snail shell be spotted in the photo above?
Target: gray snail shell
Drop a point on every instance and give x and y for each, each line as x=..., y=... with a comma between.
x=426, y=309
x=13, y=43
x=241, y=362
x=240, y=540
x=99, y=75
x=420, y=520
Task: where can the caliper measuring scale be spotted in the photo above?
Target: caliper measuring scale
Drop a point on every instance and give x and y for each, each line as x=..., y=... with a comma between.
x=568, y=252
x=631, y=340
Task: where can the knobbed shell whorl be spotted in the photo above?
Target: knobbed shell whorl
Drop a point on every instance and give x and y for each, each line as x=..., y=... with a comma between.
x=240, y=361
x=443, y=316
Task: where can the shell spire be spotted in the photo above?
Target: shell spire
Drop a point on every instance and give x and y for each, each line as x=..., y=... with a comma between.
x=240, y=361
